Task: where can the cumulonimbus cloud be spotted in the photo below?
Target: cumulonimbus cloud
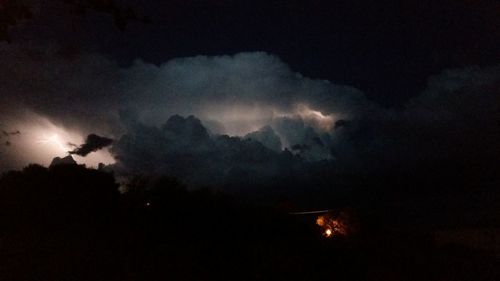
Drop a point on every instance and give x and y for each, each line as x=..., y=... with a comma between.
x=243, y=93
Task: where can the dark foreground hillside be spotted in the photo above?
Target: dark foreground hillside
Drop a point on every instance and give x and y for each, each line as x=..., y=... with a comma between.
x=71, y=223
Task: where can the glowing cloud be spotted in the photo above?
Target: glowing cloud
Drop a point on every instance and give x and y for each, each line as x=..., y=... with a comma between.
x=41, y=140
x=54, y=141
x=316, y=118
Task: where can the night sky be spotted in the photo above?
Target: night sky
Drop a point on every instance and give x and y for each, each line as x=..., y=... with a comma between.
x=387, y=49
x=350, y=82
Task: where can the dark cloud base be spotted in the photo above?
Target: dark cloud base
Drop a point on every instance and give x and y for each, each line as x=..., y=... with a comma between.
x=92, y=143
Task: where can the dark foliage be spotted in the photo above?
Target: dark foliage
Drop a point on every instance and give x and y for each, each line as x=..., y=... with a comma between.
x=71, y=223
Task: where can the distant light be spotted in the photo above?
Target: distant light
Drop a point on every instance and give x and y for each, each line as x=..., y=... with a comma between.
x=320, y=221
x=328, y=232
x=148, y=204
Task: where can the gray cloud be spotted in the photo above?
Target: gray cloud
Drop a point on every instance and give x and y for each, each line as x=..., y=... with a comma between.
x=231, y=94
x=243, y=93
x=267, y=137
x=182, y=147
x=453, y=123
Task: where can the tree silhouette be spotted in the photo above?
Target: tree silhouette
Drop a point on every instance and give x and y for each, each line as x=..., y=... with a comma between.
x=68, y=222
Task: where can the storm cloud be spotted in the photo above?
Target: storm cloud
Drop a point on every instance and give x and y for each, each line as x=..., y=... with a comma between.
x=233, y=95
x=243, y=91
x=183, y=148
x=453, y=123
x=253, y=95
x=92, y=143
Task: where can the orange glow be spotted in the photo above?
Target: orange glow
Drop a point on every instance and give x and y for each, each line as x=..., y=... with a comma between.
x=320, y=221
x=333, y=225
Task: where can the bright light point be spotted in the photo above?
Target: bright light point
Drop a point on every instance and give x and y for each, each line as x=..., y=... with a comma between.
x=328, y=232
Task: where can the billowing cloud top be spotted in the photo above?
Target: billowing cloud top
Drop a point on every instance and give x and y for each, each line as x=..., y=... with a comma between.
x=240, y=91
x=232, y=95
x=254, y=95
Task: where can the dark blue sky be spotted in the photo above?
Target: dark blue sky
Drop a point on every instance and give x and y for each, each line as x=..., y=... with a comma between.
x=385, y=48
